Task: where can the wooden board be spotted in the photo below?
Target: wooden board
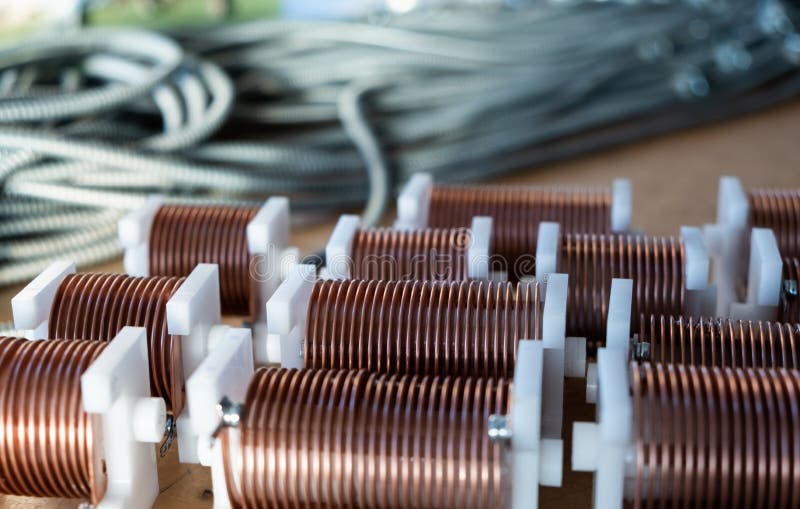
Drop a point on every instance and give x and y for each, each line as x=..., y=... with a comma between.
x=675, y=183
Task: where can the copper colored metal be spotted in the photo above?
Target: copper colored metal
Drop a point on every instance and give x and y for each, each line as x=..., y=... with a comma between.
x=517, y=211
x=428, y=254
x=48, y=446
x=718, y=342
x=779, y=210
x=321, y=438
x=437, y=328
x=789, y=310
x=655, y=264
x=97, y=306
x=183, y=236
x=714, y=437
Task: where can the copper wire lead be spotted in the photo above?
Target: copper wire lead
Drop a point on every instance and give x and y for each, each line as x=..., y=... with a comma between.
x=713, y=437
x=428, y=254
x=516, y=212
x=48, y=446
x=718, y=342
x=97, y=306
x=183, y=236
x=320, y=438
x=446, y=328
x=655, y=264
x=779, y=210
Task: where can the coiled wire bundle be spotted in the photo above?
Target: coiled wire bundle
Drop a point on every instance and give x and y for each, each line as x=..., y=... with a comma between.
x=183, y=236
x=49, y=447
x=516, y=212
x=97, y=306
x=718, y=342
x=655, y=264
x=317, y=438
x=778, y=210
x=435, y=328
x=431, y=254
x=714, y=437
x=789, y=308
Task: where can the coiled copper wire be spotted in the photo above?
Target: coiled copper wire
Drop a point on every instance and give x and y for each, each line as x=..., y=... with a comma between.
x=341, y=438
x=428, y=254
x=97, y=306
x=779, y=210
x=789, y=309
x=447, y=328
x=48, y=446
x=718, y=342
x=183, y=236
x=656, y=265
x=516, y=212
x=713, y=437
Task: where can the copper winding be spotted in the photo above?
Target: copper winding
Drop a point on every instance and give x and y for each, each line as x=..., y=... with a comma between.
x=656, y=265
x=517, y=211
x=321, y=438
x=448, y=328
x=183, y=236
x=426, y=254
x=715, y=437
x=718, y=342
x=97, y=306
x=48, y=445
x=789, y=308
x=779, y=210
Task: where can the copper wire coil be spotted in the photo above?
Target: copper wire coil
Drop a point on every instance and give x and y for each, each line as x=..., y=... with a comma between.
x=715, y=437
x=718, y=342
x=517, y=211
x=48, y=446
x=181, y=237
x=779, y=210
x=656, y=265
x=97, y=306
x=439, y=328
x=428, y=254
x=789, y=309
x=320, y=438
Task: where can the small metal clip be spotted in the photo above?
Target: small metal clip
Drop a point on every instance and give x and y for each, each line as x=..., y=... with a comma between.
x=170, y=433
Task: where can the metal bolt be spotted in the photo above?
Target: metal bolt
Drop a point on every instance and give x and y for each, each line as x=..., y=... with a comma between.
x=499, y=430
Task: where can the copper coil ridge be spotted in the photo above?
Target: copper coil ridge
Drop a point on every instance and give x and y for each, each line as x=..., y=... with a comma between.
x=48, y=446
x=655, y=264
x=426, y=254
x=789, y=309
x=183, y=236
x=320, y=438
x=715, y=437
x=448, y=328
x=720, y=342
x=97, y=306
x=779, y=210
x=517, y=211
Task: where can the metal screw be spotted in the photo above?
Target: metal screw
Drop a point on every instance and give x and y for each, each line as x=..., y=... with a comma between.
x=641, y=350
x=229, y=413
x=790, y=289
x=499, y=430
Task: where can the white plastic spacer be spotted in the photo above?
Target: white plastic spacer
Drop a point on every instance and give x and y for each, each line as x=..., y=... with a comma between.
x=618, y=325
x=547, y=249
x=591, y=383
x=286, y=315
x=696, y=270
x=575, y=357
x=115, y=388
x=413, y=203
x=31, y=306
x=621, y=205
x=226, y=372
x=478, y=253
x=134, y=236
x=339, y=247
x=554, y=324
x=764, y=279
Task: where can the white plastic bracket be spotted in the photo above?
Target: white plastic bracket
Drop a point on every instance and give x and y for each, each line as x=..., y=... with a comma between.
x=413, y=203
x=764, y=279
x=554, y=325
x=478, y=253
x=547, y=249
x=31, y=306
x=339, y=248
x=696, y=269
x=618, y=325
x=114, y=387
x=134, y=236
x=621, y=205
x=286, y=318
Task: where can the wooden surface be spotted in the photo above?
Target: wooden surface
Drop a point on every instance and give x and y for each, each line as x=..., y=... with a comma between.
x=674, y=181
